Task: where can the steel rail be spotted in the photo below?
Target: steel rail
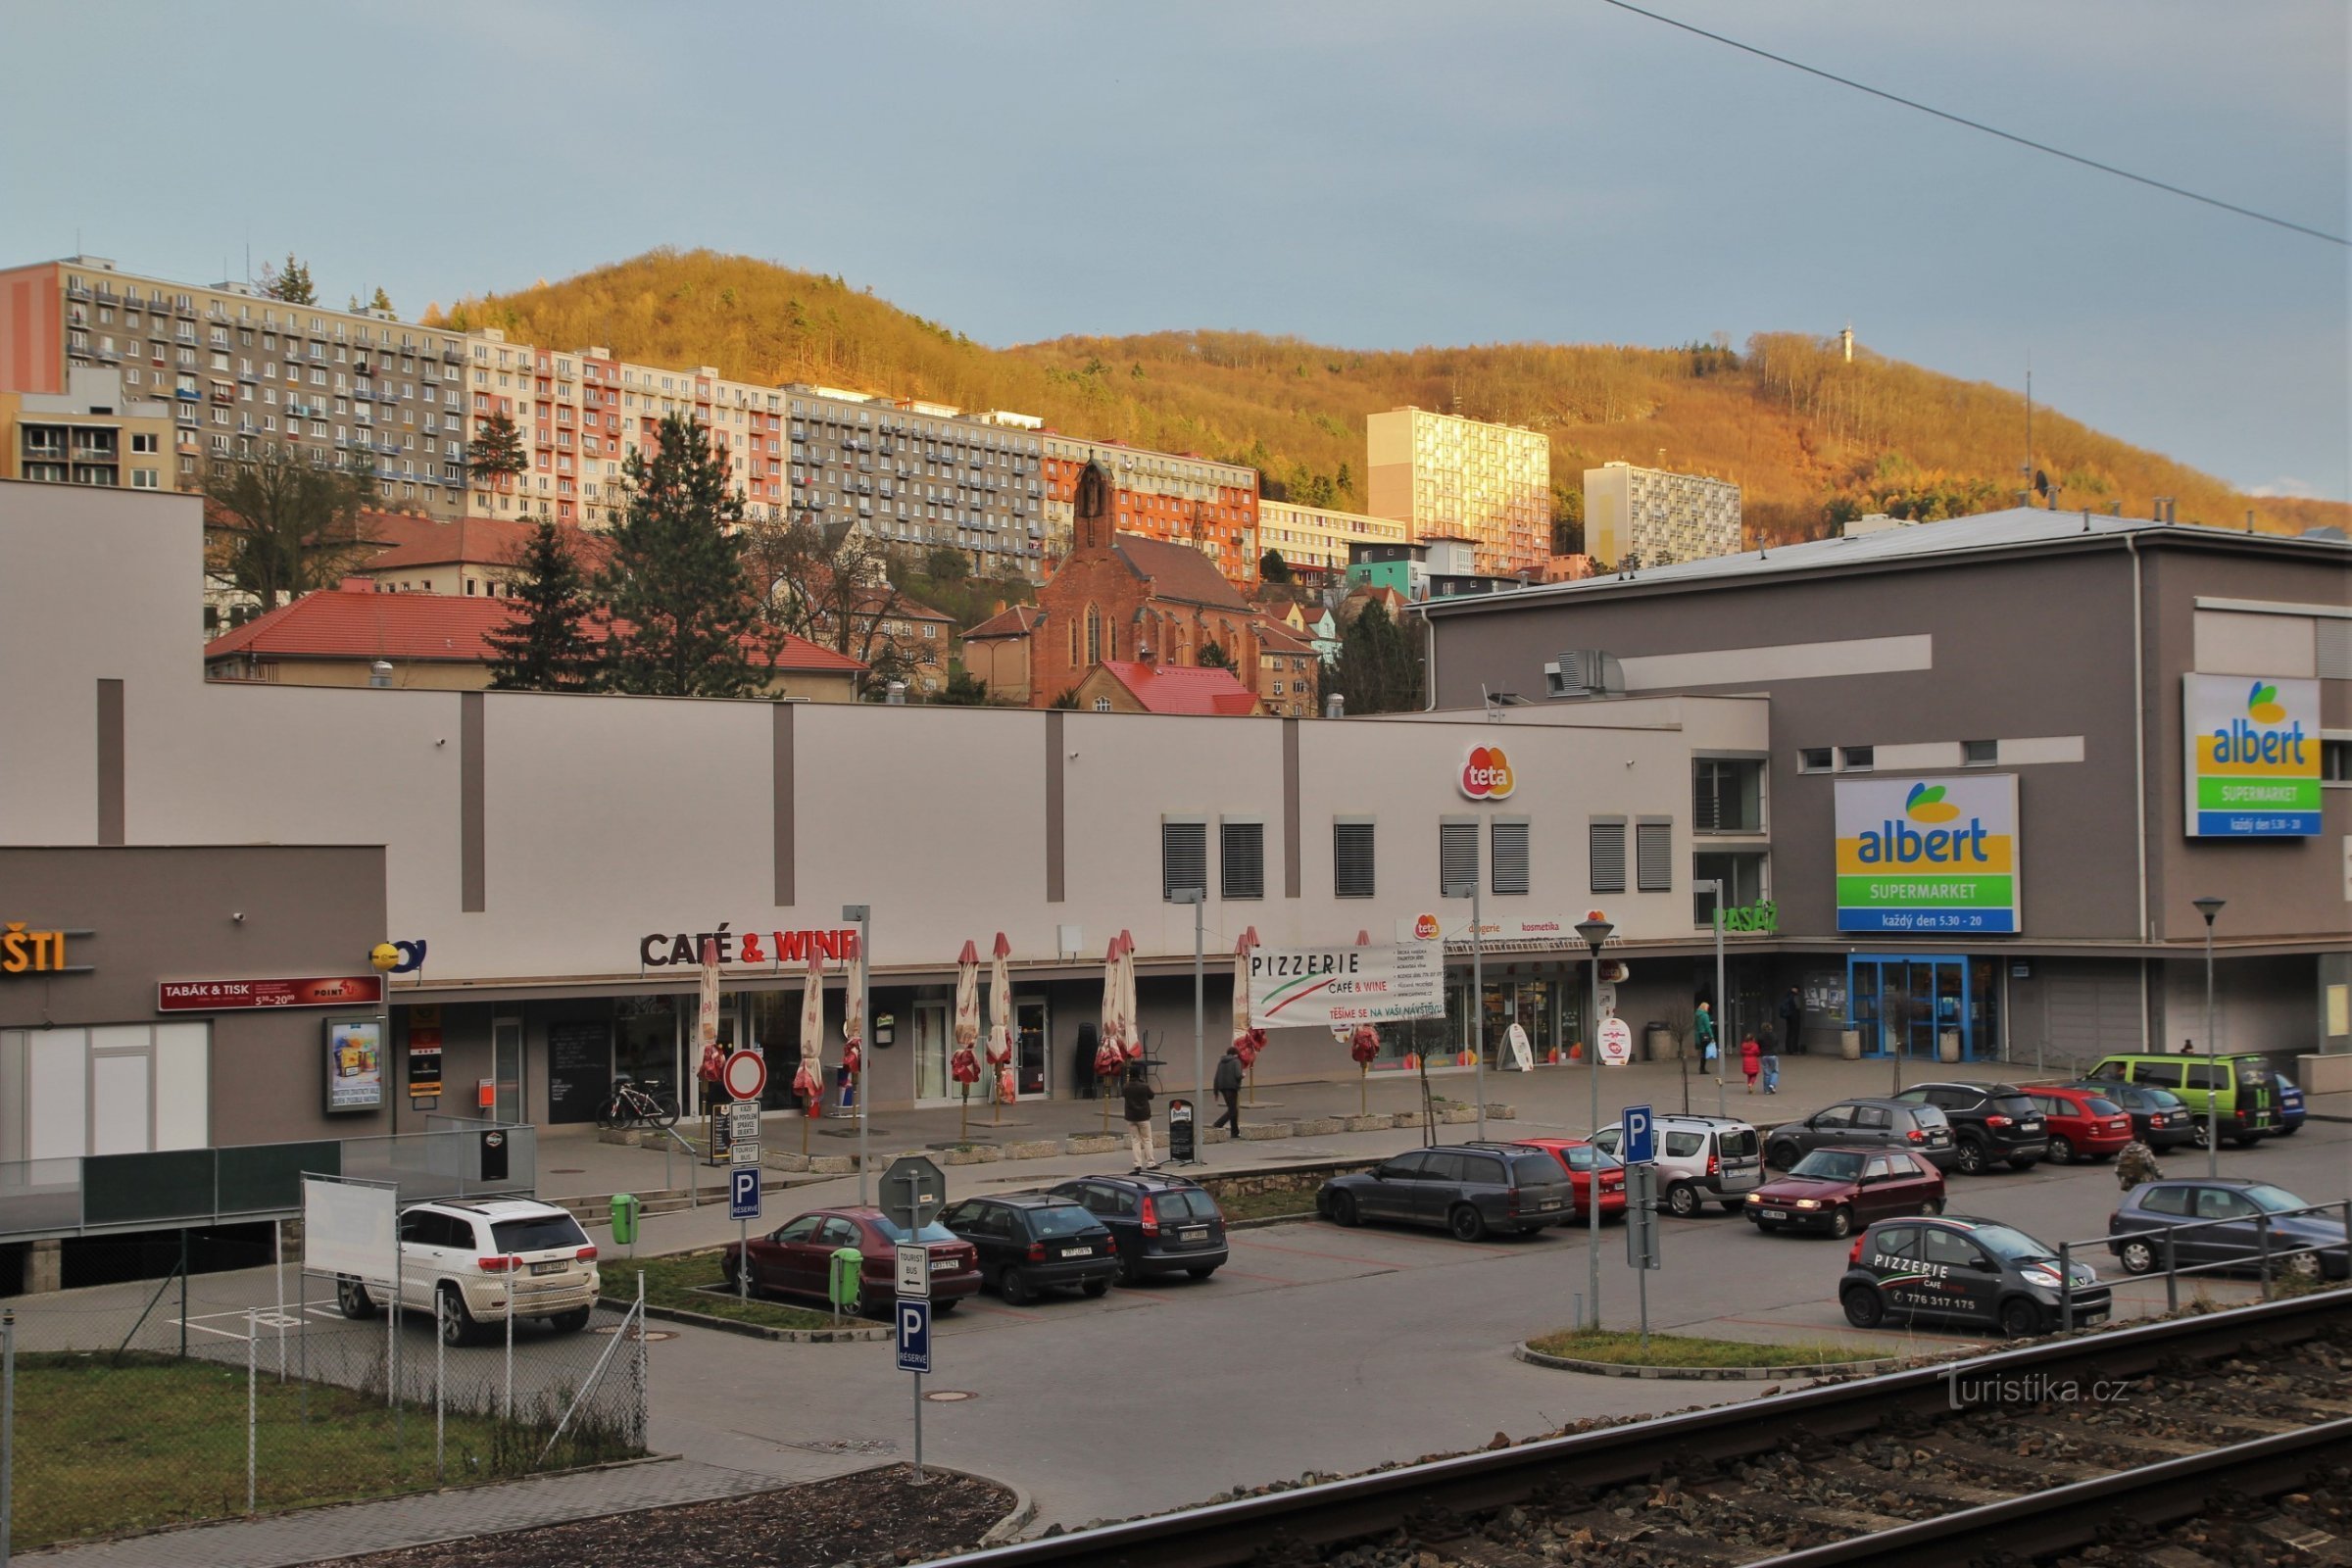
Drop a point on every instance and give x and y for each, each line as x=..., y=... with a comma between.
x=1220, y=1535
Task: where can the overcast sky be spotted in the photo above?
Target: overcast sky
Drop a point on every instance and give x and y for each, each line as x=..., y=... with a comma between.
x=1354, y=171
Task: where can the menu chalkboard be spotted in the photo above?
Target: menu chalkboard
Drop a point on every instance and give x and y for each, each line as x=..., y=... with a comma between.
x=579, y=1070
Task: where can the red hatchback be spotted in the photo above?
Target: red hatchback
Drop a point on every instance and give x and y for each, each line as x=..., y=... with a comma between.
x=796, y=1258
x=1842, y=1191
x=2084, y=1124
x=1576, y=1157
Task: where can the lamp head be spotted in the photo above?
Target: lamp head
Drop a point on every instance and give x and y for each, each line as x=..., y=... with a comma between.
x=2209, y=908
x=1594, y=928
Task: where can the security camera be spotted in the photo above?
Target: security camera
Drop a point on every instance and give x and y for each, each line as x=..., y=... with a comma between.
x=239, y=916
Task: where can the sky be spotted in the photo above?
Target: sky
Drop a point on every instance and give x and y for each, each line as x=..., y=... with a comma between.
x=1356, y=172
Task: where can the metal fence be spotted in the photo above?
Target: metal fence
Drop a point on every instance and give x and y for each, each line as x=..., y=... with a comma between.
x=2276, y=1258
x=207, y=1395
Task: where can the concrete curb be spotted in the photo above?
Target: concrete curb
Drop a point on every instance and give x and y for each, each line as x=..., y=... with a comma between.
x=1703, y=1374
x=1019, y=1517
x=755, y=1331
x=1264, y=1220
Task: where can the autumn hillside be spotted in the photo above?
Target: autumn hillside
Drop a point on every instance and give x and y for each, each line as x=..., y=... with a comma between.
x=1805, y=434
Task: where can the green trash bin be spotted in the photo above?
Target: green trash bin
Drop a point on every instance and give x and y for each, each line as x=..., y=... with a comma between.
x=848, y=1261
x=628, y=1209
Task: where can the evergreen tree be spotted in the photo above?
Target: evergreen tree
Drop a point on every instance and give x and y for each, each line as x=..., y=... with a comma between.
x=1377, y=670
x=1272, y=568
x=496, y=449
x=680, y=600
x=1213, y=656
x=292, y=283
x=545, y=648
x=383, y=300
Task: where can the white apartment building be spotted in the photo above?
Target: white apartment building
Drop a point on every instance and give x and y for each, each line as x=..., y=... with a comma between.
x=1439, y=473
x=1661, y=518
x=1319, y=537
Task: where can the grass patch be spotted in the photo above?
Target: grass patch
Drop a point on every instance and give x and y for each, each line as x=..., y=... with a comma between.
x=1624, y=1348
x=104, y=1448
x=673, y=1281
x=1266, y=1205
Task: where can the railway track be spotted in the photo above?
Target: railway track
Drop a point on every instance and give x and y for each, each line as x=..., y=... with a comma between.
x=2223, y=1439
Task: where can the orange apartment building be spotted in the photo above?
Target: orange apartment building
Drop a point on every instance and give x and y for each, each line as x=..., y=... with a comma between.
x=1176, y=497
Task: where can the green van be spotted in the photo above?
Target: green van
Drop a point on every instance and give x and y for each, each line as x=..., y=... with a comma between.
x=2244, y=1087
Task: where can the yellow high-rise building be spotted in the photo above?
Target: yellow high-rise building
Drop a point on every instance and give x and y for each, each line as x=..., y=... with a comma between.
x=1442, y=474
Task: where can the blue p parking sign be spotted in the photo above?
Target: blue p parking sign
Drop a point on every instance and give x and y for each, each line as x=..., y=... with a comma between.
x=914, y=1335
x=743, y=1193
x=1641, y=1136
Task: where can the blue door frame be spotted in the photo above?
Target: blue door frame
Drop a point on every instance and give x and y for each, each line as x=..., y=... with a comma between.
x=1902, y=1000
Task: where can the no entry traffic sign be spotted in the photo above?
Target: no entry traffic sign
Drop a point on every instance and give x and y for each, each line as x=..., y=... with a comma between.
x=745, y=1075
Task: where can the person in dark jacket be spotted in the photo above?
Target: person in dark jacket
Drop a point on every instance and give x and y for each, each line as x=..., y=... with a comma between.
x=1139, y=1117
x=1793, y=1022
x=1229, y=1089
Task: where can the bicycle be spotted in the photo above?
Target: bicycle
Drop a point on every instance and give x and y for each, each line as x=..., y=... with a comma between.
x=653, y=1106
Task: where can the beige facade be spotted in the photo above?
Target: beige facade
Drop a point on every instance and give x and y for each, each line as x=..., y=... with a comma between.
x=1657, y=517
x=92, y=433
x=1319, y=537
x=1439, y=473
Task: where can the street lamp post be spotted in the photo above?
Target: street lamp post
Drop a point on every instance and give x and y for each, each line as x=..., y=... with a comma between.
x=2209, y=908
x=863, y=915
x=1594, y=928
x=1197, y=898
x=1723, y=1025
x=1477, y=995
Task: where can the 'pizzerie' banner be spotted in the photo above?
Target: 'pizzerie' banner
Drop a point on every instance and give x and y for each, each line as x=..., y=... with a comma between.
x=1340, y=987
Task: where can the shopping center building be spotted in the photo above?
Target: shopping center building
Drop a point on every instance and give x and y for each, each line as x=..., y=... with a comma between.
x=2009, y=754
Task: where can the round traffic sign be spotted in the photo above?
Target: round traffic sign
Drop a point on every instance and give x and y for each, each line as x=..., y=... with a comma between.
x=743, y=1075
x=1616, y=1043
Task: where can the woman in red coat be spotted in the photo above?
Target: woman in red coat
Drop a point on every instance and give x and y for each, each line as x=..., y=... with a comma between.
x=1751, y=1060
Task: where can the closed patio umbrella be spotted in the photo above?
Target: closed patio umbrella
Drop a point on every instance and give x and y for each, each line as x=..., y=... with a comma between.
x=1111, y=1058
x=809, y=1081
x=853, y=1022
x=1000, y=1025
x=965, y=1064
x=1247, y=1042
x=707, y=1061
x=1131, y=1028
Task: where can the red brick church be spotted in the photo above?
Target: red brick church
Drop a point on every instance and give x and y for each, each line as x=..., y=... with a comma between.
x=1119, y=597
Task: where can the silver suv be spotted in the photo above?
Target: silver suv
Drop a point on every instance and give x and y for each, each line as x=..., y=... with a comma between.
x=480, y=1257
x=1700, y=1159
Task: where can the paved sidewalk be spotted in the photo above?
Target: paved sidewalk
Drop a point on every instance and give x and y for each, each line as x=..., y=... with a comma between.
x=310, y=1535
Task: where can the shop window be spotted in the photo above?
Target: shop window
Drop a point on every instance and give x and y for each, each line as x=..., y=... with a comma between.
x=1241, y=859
x=1457, y=857
x=1508, y=855
x=1742, y=879
x=1605, y=839
x=1183, y=856
x=1653, y=854
x=111, y=1090
x=1726, y=795
x=1351, y=857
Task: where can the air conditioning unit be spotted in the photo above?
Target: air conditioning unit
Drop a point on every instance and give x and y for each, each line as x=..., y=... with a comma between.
x=1584, y=673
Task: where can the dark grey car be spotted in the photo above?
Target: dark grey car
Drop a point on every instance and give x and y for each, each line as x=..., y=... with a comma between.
x=1865, y=1124
x=1469, y=1189
x=2228, y=1222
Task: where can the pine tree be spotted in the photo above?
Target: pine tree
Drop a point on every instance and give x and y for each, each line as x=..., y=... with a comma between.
x=1212, y=656
x=383, y=300
x=675, y=586
x=496, y=449
x=1272, y=568
x=1378, y=671
x=292, y=283
x=545, y=648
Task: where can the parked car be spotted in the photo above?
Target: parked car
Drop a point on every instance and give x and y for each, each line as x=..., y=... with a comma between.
x=2159, y=1118
x=796, y=1258
x=1032, y=1242
x=2243, y=1091
x=1469, y=1189
x=1700, y=1159
x=1960, y=1269
x=1834, y=1190
x=1919, y=1129
x=477, y=1257
x=2290, y=1104
x=2149, y=1209
x=1579, y=1159
x=1990, y=1122
x=1161, y=1224
x=2083, y=1123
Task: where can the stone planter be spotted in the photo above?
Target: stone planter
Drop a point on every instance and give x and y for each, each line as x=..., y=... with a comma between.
x=1849, y=1045
x=1092, y=1143
x=1503, y=1112
x=1457, y=1116
x=1265, y=1131
x=1405, y=1118
x=795, y=1164
x=969, y=1154
x=1312, y=1126
x=833, y=1165
x=1216, y=1134
x=1033, y=1148
x=1367, y=1124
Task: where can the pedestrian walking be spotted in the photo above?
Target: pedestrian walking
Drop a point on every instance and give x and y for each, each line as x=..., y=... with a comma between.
x=1702, y=1033
x=1793, y=1022
x=1229, y=1089
x=1751, y=1062
x=1772, y=1072
x=1139, y=1117
x=2136, y=1164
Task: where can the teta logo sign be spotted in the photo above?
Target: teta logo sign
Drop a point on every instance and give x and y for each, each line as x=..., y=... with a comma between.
x=1426, y=929
x=1487, y=775
x=2253, y=767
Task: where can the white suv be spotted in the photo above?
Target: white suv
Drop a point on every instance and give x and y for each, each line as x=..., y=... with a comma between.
x=1700, y=1159
x=477, y=1258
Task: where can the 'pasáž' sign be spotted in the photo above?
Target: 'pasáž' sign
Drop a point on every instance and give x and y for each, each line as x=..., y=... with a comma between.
x=1339, y=988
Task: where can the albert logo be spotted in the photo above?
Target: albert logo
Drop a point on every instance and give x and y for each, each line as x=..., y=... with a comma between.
x=1926, y=803
x=2263, y=706
x=1487, y=775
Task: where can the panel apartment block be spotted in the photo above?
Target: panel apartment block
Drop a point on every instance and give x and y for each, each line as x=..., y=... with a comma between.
x=1441, y=474
x=1320, y=537
x=1661, y=517
x=921, y=474
x=1178, y=497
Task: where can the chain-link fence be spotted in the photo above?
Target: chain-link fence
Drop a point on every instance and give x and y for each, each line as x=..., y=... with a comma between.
x=211, y=1394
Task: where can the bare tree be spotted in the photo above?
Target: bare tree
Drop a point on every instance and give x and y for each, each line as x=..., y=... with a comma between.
x=280, y=522
x=829, y=582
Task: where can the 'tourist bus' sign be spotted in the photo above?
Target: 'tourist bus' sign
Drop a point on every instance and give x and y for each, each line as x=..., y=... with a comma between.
x=2253, y=769
x=1928, y=855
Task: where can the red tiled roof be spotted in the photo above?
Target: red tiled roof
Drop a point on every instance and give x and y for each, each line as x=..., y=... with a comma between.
x=1018, y=622
x=1179, y=571
x=1182, y=689
x=362, y=623
x=1275, y=638
x=472, y=541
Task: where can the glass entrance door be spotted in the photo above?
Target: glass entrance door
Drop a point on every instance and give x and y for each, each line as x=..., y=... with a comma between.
x=505, y=1069
x=931, y=1053
x=1031, y=1075
x=1908, y=1004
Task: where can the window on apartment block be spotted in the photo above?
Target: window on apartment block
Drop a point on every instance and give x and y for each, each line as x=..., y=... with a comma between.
x=1351, y=857
x=1242, y=859
x=1653, y=854
x=1183, y=854
x=1506, y=861
x=1457, y=856
x=1605, y=847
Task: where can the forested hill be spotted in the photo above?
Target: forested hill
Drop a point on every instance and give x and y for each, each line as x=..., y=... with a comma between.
x=1804, y=433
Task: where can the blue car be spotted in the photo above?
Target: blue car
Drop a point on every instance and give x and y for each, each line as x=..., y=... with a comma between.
x=2290, y=1104
x=2229, y=1222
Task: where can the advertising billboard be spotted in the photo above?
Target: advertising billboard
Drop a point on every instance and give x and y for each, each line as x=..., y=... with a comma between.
x=1339, y=988
x=1934, y=855
x=355, y=1064
x=2253, y=765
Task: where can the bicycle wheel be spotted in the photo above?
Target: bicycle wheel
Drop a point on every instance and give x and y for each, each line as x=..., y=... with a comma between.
x=608, y=1114
x=662, y=1110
